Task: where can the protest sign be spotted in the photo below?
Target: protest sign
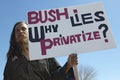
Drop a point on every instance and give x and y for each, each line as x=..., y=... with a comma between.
x=62, y=31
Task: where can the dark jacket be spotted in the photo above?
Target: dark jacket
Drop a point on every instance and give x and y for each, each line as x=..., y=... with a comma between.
x=19, y=68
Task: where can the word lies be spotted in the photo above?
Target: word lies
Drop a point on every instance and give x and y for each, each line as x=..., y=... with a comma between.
x=86, y=18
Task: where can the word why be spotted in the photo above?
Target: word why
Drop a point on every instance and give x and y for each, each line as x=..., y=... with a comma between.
x=36, y=35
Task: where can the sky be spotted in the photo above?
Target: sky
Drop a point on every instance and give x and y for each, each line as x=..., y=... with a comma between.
x=105, y=62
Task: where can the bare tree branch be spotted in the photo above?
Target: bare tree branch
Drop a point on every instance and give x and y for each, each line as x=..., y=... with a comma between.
x=87, y=73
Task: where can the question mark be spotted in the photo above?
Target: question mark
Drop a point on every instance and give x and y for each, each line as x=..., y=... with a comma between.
x=104, y=31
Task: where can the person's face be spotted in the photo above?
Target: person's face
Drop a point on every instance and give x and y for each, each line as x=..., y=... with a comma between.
x=21, y=32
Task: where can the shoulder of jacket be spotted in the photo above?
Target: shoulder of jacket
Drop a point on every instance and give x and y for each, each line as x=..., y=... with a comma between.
x=12, y=59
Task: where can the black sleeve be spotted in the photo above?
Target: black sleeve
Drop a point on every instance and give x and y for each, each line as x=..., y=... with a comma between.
x=7, y=70
x=58, y=72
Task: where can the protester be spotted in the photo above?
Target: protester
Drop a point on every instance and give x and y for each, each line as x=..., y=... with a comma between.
x=19, y=67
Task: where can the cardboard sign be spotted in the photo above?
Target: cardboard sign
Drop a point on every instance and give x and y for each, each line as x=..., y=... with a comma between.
x=62, y=31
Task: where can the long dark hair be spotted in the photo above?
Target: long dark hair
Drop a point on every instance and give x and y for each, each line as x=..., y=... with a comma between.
x=12, y=47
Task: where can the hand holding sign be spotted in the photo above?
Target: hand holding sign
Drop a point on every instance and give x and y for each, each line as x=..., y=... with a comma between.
x=72, y=61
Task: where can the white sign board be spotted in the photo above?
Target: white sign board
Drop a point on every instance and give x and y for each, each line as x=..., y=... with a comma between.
x=62, y=31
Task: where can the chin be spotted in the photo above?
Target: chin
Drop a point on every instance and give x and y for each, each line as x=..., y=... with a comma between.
x=23, y=40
